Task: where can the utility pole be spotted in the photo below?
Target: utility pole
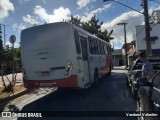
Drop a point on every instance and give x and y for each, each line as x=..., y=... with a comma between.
x=147, y=28
x=146, y=19
x=4, y=26
x=125, y=38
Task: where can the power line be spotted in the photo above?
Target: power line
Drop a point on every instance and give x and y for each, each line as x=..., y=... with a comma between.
x=125, y=7
x=156, y=1
x=118, y=37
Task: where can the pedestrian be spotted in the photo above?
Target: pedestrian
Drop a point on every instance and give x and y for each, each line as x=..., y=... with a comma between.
x=147, y=68
x=144, y=91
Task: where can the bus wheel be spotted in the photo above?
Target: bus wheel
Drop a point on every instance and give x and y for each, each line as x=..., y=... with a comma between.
x=110, y=69
x=96, y=76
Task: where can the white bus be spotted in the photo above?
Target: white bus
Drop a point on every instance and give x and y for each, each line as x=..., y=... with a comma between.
x=63, y=55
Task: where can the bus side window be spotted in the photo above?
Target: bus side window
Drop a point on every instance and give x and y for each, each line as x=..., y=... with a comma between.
x=94, y=47
x=90, y=45
x=103, y=49
x=77, y=42
x=95, y=50
x=97, y=46
x=106, y=49
x=109, y=50
x=84, y=48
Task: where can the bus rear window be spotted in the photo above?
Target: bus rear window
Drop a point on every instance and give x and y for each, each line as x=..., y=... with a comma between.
x=77, y=42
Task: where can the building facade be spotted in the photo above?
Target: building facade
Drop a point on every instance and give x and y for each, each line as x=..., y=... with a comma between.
x=117, y=57
x=140, y=39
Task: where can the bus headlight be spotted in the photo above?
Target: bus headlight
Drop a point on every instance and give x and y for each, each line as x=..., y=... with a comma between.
x=68, y=69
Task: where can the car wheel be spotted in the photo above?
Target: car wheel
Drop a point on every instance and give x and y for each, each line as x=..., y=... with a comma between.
x=110, y=69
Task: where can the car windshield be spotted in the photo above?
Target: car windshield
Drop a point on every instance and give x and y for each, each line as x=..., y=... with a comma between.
x=156, y=64
x=137, y=65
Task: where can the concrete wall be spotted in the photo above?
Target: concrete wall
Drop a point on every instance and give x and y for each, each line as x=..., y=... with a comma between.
x=140, y=37
x=117, y=60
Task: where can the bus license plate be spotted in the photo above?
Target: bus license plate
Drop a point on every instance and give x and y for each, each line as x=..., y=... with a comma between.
x=45, y=73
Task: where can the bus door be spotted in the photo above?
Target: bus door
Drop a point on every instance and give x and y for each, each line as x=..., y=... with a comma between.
x=84, y=63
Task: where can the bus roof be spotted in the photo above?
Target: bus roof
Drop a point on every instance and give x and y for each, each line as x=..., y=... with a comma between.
x=73, y=26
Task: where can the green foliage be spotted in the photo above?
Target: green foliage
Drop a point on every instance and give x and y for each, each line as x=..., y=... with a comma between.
x=1, y=50
x=93, y=26
x=8, y=55
x=75, y=20
x=1, y=43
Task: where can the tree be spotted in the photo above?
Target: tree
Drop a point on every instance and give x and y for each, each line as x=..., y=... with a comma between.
x=1, y=56
x=75, y=20
x=1, y=43
x=93, y=26
x=105, y=35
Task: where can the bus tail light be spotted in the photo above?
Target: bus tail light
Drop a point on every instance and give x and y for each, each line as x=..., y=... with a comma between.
x=68, y=69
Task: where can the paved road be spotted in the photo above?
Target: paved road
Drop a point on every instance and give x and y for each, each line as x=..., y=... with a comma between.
x=111, y=94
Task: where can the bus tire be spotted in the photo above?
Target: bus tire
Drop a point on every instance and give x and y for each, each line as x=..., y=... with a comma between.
x=110, y=69
x=96, y=76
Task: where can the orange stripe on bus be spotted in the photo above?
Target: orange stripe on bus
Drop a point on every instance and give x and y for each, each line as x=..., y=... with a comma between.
x=65, y=82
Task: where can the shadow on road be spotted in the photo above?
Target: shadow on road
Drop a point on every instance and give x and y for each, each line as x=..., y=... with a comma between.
x=111, y=94
x=3, y=103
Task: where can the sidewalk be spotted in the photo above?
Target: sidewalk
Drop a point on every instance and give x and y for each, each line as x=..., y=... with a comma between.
x=19, y=89
x=120, y=67
x=19, y=80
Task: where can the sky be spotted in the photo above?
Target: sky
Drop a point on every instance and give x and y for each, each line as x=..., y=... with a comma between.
x=21, y=14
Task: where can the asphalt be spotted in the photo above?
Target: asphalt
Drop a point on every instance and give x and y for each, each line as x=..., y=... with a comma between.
x=111, y=94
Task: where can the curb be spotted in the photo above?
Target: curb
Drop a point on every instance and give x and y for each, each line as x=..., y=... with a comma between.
x=5, y=101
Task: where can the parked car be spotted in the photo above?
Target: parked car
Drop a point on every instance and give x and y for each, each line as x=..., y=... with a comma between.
x=135, y=72
x=149, y=97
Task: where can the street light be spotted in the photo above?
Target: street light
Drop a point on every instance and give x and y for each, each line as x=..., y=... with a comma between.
x=4, y=26
x=125, y=41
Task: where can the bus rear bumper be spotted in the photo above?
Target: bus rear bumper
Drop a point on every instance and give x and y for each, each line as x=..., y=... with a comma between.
x=70, y=81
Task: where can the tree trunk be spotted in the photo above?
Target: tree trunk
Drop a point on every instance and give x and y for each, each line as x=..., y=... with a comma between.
x=1, y=72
